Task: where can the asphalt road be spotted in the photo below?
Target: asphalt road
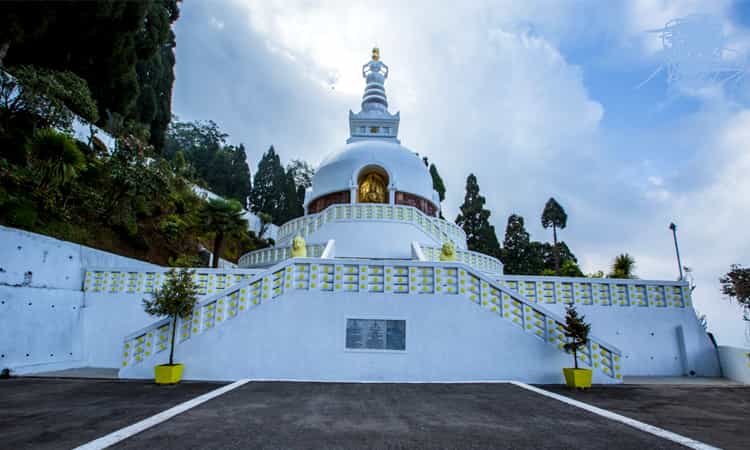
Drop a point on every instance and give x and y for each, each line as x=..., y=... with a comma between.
x=717, y=415
x=57, y=413
x=276, y=415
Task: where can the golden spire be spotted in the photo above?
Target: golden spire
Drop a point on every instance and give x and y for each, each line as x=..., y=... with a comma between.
x=375, y=54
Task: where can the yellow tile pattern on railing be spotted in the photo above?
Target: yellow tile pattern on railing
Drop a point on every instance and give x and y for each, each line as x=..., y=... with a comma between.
x=144, y=282
x=600, y=291
x=440, y=229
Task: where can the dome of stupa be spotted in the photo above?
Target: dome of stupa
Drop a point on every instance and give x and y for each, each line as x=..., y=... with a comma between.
x=404, y=169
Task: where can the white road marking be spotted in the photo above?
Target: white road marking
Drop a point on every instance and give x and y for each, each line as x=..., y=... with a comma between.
x=124, y=433
x=656, y=431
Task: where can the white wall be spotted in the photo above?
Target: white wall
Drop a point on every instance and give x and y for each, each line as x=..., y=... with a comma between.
x=31, y=259
x=41, y=301
x=648, y=338
x=371, y=239
x=735, y=363
x=39, y=326
x=302, y=336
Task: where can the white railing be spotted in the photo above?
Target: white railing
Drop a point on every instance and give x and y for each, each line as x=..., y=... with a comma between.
x=441, y=230
x=479, y=261
x=140, y=281
x=273, y=255
x=600, y=291
x=407, y=278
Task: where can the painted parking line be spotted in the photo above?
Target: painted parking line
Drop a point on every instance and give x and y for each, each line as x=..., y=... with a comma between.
x=656, y=431
x=124, y=433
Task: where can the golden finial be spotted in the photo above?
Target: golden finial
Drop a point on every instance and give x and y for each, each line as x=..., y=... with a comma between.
x=375, y=53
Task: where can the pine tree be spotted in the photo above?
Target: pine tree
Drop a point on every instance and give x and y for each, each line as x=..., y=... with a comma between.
x=437, y=182
x=270, y=188
x=474, y=219
x=239, y=185
x=520, y=256
x=554, y=216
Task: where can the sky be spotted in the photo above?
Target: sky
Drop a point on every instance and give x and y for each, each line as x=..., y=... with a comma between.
x=631, y=114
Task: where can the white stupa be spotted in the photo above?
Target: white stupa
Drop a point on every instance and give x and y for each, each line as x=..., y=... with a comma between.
x=373, y=197
x=371, y=284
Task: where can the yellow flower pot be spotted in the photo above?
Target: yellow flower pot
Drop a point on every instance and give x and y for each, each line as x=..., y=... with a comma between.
x=168, y=374
x=578, y=378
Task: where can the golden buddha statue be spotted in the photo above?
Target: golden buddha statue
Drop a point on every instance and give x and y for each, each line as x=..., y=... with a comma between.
x=372, y=189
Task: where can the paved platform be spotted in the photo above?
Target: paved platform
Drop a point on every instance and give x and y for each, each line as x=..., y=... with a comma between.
x=80, y=372
x=719, y=415
x=59, y=413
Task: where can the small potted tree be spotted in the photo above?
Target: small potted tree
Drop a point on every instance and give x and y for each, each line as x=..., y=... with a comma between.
x=175, y=299
x=577, y=332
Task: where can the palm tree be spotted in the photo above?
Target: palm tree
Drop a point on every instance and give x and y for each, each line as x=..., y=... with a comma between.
x=554, y=216
x=224, y=219
x=57, y=158
x=623, y=267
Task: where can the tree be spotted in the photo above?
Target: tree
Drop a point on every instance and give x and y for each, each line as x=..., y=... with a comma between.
x=736, y=284
x=223, y=168
x=223, y=218
x=56, y=158
x=576, y=332
x=517, y=251
x=560, y=253
x=437, y=182
x=623, y=267
x=474, y=219
x=554, y=216
x=270, y=193
x=124, y=50
x=175, y=299
x=48, y=97
x=302, y=172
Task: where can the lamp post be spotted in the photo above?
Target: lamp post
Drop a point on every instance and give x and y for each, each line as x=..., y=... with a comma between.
x=673, y=227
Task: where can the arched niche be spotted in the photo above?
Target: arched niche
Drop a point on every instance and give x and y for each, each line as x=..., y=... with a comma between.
x=372, y=185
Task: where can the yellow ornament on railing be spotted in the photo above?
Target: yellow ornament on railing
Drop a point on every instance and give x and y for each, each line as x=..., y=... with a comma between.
x=448, y=252
x=299, y=249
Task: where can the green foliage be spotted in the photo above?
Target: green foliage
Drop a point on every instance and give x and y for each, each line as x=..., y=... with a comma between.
x=437, y=182
x=554, y=216
x=522, y=256
x=518, y=255
x=22, y=214
x=474, y=219
x=224, y=219
x=123, y=49
x=198, y=150
x=576, y=332
x=275, y=191
x=175, y=299
x=48, y=97
x=55, y=157
x=736, y=284
x=302, y=172
x=623, y=267
x=185, y=261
